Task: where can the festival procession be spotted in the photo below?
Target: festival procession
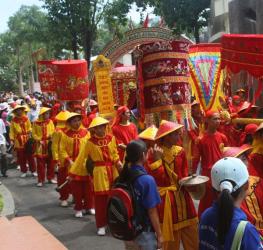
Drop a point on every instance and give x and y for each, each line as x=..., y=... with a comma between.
x=164, y=153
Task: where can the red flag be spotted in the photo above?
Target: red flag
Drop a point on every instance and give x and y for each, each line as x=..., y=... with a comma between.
x=161, y=23
x=146, y=22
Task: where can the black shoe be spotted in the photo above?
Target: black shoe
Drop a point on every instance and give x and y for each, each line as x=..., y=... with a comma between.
x=5, y=175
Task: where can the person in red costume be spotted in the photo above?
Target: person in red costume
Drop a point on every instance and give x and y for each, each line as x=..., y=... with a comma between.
x=247, y=135
x=255, y=162
x=208, y=150
x=123, y=130
x=236, y=104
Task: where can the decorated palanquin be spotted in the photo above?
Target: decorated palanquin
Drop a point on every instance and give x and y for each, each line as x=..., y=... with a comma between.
x=124, y=85
x=163, y=76
x=206, y=74
x=46, y=75
x=71, y=77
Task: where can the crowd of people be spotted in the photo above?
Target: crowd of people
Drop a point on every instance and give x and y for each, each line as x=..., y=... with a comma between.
x=89, y=152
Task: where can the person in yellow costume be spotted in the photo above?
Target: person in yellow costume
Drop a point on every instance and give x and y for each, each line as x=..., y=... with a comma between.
x=101, y=150
x=177, y=212
x=72, y=141
x=60, y=128
x=20, y=132
x=42, y=131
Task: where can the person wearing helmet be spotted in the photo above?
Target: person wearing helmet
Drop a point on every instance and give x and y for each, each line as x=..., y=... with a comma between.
x=225, y=225
x=101, y=151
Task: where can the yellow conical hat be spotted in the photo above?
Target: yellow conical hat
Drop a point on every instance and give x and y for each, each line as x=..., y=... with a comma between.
x=97, y=121
x=44, y=110
x=72, y=114
x=167, y=127
x=62, y=115
x=18, y=107
x=149, y=133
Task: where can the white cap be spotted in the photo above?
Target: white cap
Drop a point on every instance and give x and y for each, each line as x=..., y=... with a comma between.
x=226, y=170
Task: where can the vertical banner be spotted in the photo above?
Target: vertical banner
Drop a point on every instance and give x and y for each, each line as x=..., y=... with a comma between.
x=102, y=69
x=46, y=76
x=205, y=69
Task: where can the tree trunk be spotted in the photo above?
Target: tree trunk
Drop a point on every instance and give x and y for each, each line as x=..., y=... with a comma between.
x=88, y=46
x=20, y=77
x=196, y=33
x=74, y=46
x=31, y=73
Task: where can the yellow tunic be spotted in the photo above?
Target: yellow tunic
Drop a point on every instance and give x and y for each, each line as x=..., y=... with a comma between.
x=71, y=143
x=55, y=147
x=20, y=129
x=42, y=132
x=104, y=155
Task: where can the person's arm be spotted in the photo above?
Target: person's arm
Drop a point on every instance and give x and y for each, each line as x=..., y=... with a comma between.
x=154, y=218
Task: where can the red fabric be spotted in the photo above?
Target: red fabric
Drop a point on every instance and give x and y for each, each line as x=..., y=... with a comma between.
x=120, y=111
x=255, y=165
x=23, y=158
x=82, y=194
x=234, y=136
x=243, y=52
x=46, y=76
x=141, y=92
x=162, y=179
x=101, y=208
x=123, y=135
x=71, y=80
x=146, y=22
x=209, y=149
x=45, y=165
x=255, y=198
x=66, y=190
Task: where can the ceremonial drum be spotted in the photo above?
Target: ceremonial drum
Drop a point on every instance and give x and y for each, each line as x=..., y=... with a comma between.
x=46, y=76
x=165, y=75
x=71, y=78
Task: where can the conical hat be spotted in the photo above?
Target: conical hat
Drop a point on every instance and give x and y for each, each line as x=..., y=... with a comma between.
x=18, y=107
x=97, y=121
x=62, y=115
x=236, y=151
x=149, y=133
x=72, y=114
x=167, y=127
x=44, y=110
x=92, y=103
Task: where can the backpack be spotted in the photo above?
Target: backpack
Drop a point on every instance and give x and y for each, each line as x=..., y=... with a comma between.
x=124, y=217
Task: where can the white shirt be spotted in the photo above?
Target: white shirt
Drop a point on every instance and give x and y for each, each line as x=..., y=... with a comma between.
x=2, y=132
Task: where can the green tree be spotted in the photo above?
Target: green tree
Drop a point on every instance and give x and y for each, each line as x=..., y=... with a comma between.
x=183, y=16
x=78, y=21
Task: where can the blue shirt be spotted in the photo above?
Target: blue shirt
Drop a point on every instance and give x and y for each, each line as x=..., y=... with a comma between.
x=146, y=191
x=208, y=232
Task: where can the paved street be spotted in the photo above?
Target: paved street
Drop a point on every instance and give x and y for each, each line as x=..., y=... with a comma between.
x=43, y=204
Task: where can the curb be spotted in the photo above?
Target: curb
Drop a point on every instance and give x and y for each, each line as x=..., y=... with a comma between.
x=9, y=204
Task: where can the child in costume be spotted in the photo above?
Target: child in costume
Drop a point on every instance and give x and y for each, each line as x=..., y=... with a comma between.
x=101, y=149
x=42, y=132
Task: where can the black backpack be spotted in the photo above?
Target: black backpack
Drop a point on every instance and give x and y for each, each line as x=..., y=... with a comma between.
x=124, y=217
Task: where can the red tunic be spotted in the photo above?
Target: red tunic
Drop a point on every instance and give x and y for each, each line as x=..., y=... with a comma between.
x=167, y=172
x=255, y=165
x=209, y=149
x=124, y=134
x=234, y=136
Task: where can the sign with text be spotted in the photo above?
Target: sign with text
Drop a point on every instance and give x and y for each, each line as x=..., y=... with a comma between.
x=102, y=69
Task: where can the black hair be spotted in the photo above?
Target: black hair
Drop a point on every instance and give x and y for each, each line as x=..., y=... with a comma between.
x=225, y=211
x=248, y=139
x=134, y=153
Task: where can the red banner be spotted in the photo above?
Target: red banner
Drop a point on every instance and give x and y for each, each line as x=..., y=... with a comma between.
x=243, y=52
x=46, y=76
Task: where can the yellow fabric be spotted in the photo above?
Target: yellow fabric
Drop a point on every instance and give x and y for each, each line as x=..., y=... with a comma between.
x=37, y=134
x=92, y=151
x=17, y=135
x=56, y=139
x=67, y=150
x=155, y=164
x=220, y=93
x=167, y=227
x=257, y=146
